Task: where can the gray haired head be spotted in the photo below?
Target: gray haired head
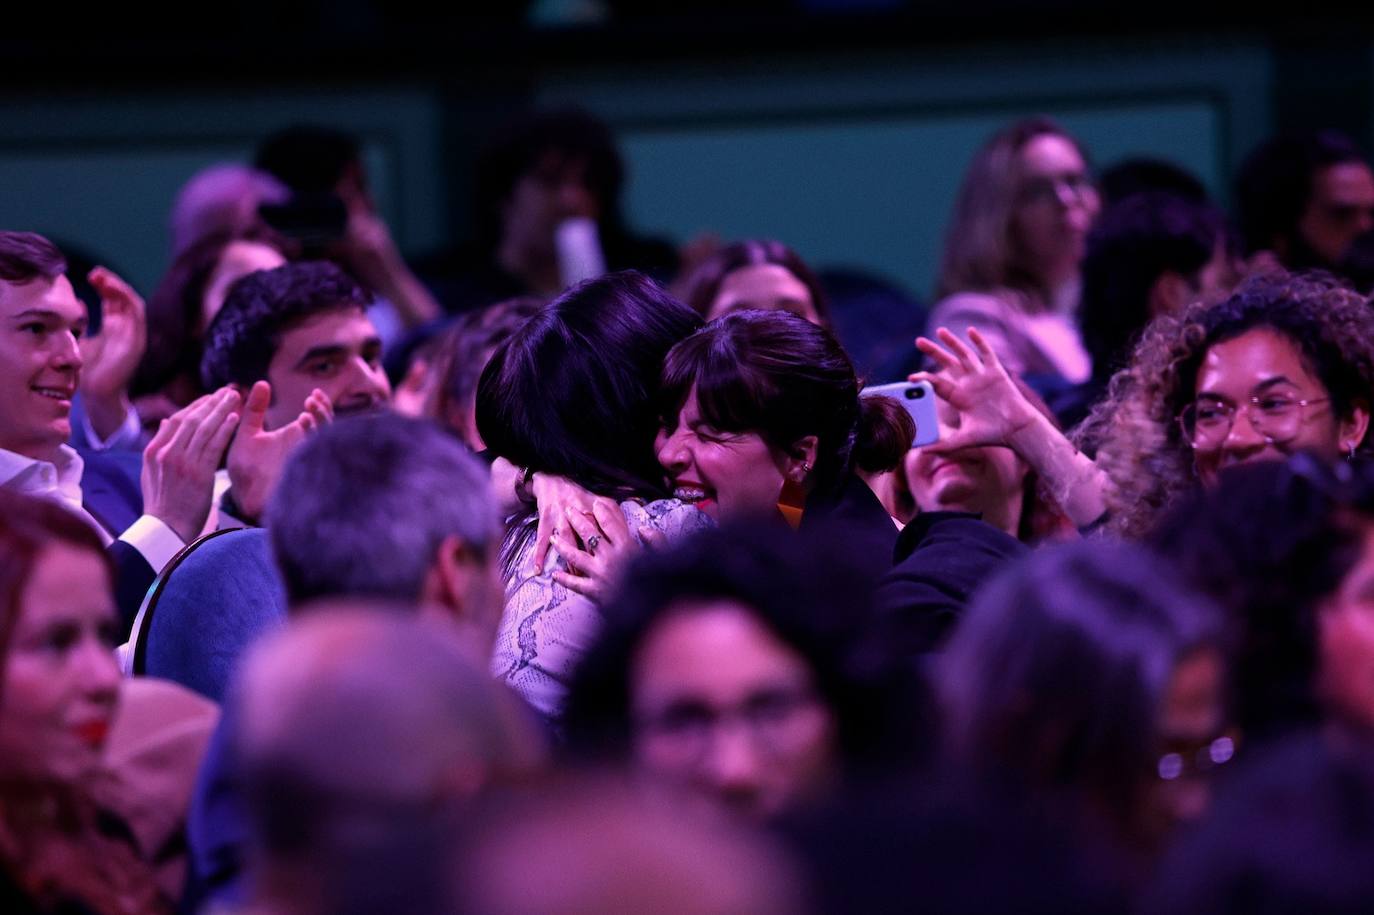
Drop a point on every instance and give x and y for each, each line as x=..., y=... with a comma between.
x=364, y=505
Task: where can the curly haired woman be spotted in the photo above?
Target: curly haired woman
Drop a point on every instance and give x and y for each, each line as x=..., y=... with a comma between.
x=1284, y=364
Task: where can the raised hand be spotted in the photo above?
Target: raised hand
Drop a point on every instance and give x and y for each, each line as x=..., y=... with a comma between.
x=974, y=382
x=257, y=455
x=111, y=357
x=179, y=464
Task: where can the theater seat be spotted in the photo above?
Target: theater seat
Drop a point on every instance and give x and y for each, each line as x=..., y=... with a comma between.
x=218, y=595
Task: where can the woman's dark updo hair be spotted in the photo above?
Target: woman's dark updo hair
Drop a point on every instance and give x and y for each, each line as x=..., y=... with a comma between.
x=571, y=393
x=753, y=252
x=886, y=431
x=779, y=375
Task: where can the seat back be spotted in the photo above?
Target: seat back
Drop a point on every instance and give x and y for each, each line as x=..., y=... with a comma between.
x=205, y=608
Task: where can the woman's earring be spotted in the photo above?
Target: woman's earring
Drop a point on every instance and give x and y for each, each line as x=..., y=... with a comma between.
x=1350, y=456
x=792, y=499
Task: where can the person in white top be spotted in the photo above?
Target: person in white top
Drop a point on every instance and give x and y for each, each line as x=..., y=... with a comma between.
x=1015, y=244
x=41, y=321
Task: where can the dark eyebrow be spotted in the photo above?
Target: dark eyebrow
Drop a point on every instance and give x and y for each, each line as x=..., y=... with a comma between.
x=1262, y=386
x=330, y=350
x=39, y=313
x=1266, y=385
x=47, y=314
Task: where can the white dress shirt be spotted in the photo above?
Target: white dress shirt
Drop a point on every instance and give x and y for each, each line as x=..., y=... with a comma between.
x=60, y=480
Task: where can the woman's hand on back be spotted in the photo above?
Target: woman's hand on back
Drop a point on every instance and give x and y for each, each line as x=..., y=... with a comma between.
x=554, y=498
x=973, y=381
x=595, y=547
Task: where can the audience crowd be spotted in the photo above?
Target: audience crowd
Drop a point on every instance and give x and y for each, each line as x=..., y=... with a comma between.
x=572, y=572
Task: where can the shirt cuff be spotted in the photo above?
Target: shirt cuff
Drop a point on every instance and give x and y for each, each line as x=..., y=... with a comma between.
x=126, y=436
x=157, y=542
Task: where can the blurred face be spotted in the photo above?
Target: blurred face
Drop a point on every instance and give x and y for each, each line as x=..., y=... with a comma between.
x=725, y=474
x=763, y=287
x=338, y=352
x=724, y=706
x=60, y=679
x=989, y=480
x=1341, y=207
x=239, y=259
x=40, y=365
x=1055, y=206
x=1347, y=641
x=1193, y=737
x=1218, y=276
x=555, y=190
x=1267, y=366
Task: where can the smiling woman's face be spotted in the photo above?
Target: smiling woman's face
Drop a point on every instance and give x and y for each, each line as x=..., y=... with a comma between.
x=725, y=474
x=1267, y=365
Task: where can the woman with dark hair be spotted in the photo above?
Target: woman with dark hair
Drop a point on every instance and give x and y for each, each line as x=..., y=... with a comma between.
x=1285, y=364
x=1015, y=243
x=757, y=275
x=738, y=665
x=762, y=413
x=572, y=394
x=182, y=307
x=1084, y=676
x=95, y=771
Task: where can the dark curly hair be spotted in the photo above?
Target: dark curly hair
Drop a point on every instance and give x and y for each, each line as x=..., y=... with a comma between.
x=243, y=337
x=175, y=333
x=1134, y=432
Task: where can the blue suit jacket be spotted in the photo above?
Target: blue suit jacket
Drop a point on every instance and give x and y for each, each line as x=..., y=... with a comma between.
x=110, y=493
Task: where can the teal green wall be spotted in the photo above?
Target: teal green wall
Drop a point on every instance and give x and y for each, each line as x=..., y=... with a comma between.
x=854, y=159
x=102, y=171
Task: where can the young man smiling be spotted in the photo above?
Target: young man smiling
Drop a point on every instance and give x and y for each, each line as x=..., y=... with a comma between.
x=41, y=321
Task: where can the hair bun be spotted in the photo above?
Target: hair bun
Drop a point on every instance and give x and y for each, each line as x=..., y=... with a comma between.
x=884, y=435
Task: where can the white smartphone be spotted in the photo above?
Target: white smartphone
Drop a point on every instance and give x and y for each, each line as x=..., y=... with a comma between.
x=918, y=399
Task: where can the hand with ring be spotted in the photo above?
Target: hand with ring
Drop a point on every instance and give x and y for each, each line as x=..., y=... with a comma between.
x=594, y=545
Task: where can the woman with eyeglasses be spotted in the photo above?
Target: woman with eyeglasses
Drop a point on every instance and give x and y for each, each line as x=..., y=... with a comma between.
x=1014, y=248
x=1084, y=681
x=1285, y=364
x=737, y=668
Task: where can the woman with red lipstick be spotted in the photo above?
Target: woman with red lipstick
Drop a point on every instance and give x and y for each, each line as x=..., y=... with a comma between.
x=762, y=414
x=64, y=845
x=59, y=693
x=1015, y=243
